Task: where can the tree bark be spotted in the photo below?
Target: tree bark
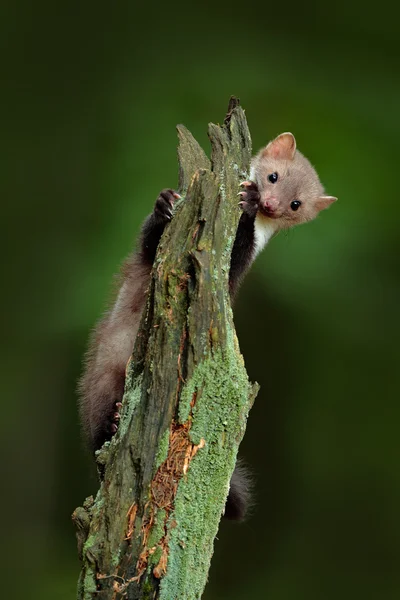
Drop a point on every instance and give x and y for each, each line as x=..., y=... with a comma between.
x=165, y=476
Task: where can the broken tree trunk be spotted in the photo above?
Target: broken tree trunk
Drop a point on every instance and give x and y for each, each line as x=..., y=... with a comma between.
x=165, y=476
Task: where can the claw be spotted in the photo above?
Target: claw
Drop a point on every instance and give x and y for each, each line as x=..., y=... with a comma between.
x=246, y=183
x=176, y=195
x=242, y=194
x=118, y=404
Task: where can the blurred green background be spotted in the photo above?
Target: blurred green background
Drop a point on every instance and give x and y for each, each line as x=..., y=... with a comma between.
x=91, y=94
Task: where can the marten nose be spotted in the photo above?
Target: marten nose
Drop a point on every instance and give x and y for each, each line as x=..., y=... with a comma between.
x=270, y=205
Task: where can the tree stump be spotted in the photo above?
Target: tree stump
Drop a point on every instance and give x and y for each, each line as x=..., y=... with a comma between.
x=165, y=476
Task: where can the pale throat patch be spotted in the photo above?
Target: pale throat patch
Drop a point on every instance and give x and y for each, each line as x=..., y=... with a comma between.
x=264, y=229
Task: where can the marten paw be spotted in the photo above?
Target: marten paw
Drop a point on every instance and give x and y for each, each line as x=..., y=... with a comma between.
x=250, y=198
x=165, y=204
x=114, y=418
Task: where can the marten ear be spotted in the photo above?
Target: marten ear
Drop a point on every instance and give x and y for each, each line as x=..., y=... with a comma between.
x=324, y=202
x=283, y=146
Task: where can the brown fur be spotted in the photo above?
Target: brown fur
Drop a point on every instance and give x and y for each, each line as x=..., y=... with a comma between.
x=110, y=347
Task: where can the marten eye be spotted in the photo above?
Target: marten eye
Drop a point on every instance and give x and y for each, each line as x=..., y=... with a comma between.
x=295, y=205
x=273, y=178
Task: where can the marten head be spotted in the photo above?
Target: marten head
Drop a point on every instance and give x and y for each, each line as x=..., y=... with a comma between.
x=290, y=189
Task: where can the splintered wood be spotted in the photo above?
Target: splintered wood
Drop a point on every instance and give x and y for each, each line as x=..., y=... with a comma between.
x=180, y=453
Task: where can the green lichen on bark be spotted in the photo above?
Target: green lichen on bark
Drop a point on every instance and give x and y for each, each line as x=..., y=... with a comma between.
x=218, y=416
x=165, y=475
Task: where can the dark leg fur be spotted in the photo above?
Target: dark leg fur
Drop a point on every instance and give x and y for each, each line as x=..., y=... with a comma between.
x=155, y=223
x=108, y=423
x=113, y=419
x=243, y=247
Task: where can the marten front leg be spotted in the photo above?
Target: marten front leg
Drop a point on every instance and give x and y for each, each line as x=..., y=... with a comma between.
x=244, y=245
x=154, y=225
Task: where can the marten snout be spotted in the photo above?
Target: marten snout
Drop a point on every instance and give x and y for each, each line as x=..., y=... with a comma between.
x=270, y=206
